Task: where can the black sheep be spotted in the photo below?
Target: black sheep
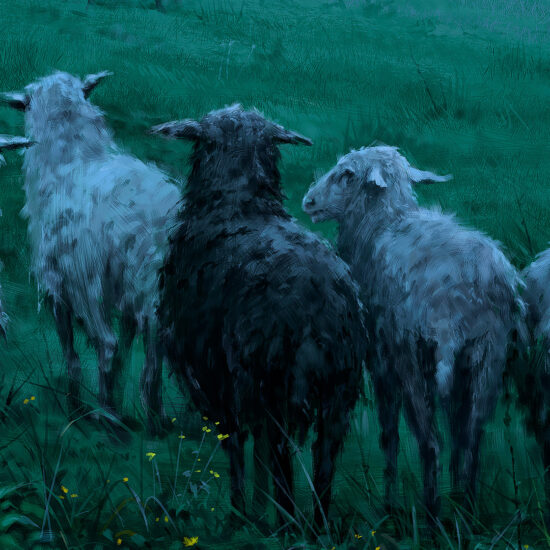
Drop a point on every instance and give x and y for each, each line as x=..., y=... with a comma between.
x=262, y=319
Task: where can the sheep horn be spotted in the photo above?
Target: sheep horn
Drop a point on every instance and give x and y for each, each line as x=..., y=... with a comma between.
x=16, y=100
x=181, y=129
x=282, y=135
x=92, y=80
x=423, y=176
x=14, y=142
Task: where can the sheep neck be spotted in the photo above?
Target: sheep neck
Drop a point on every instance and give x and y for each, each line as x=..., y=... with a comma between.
x=234, y=187
x=369, y=218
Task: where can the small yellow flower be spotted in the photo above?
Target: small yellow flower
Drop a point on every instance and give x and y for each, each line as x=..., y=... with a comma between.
x=173, y=419
x=216, y=474
x=221, y=437
x=525, y=546
x=33, y=397
x=217, y=423
x=205, y=418
x=125, y=479
x=166, y=519
x=198, y=459
x=190, y=541
x=206, y=429
x=64, y=489
x=151, y=456
x=25, y=401
x=212, y=472
x=198, y=471
x=357, y=536
x=157, y=519
x=118, y=541
x=212, y=509
x=377, y=548
x=61, y=497
x=181, y=436
x=74, y=495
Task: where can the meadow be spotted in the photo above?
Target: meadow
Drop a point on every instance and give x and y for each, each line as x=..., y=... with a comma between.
x=461, y=86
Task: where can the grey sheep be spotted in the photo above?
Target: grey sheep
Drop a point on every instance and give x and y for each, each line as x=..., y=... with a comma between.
x=98, y=228
x=531, y=371
x=263, y=321
x=8, y=143
x=442, y=301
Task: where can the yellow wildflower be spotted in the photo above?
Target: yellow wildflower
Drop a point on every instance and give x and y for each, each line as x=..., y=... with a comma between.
x=181, y=436
x=212, y=509
x=198, y=471
x=173, y=419
x=25, y=401
x=125, y=479
x=64, y=489
x=206, y=429
x=372, y=533
x=357, y=536
x=377, y=548
x=190, y=541
x=61, y=497
x=151, y=456
x=118, y=541
x=33, y=397
x=205, y=418
x=221, y=437
x=74, y=495
x=157, y=519
x=216, y=474
x=217, y=423
x=166, y=519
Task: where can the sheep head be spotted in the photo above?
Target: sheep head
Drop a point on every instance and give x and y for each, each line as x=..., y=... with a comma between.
x=61, y=84
x=12, y=142
x=230, y=126
x=364, y=175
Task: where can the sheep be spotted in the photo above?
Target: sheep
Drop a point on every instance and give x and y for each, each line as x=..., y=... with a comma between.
x=263, y=321
x=98, y=222
x=531, y=371
x=442, y=301
x=7, y=143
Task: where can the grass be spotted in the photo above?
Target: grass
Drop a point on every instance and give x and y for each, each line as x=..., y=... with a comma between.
x=460, y=86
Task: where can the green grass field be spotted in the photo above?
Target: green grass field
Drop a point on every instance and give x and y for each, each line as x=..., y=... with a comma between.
x=461, y=86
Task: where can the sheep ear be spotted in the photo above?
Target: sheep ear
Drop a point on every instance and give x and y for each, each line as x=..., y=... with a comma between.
x=423, y=176
x=15, y=100
x=282, y=135
x=13, y=142
x=92, y=80
x=376, y=177
x=180, y=129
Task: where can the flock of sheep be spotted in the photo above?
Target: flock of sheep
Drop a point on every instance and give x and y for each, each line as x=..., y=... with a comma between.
x=267, y=327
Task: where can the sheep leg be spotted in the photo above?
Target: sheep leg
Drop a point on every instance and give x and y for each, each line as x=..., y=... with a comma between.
x=234, y=445
x=261, y=458
x=420, y=415
x=331, y=427
x=106, y=350
x=128, y=328
x=151, y=383
x=281, y=464
x=63, y=323
x=389, y=401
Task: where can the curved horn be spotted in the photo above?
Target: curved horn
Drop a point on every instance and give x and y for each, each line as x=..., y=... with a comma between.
x=92, y=80
x=282, y=135
x=16, y=100
x=180, y=129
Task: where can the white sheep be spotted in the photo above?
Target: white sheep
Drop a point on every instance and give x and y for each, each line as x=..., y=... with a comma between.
x=442, y=301
x=7, y=143
x=98, y=223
